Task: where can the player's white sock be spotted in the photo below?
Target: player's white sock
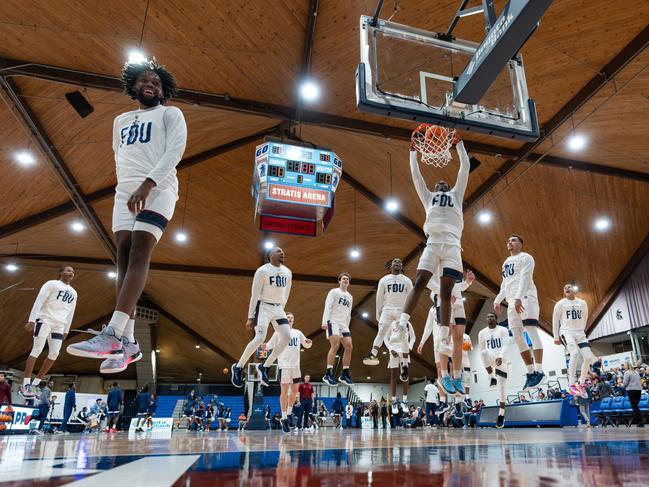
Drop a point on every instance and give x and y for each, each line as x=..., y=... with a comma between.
x=405, y=398
x=394, y=398
x=36, y=381
x=444, y=373
x=403, y=320
x=129, y=330
x=345, y=367
x=26, y=381
x=289, y=410
x=375, y=351
x=530, y=368
x=457, y=374
x=118, y=323
x=538, y=367
x=283, y=414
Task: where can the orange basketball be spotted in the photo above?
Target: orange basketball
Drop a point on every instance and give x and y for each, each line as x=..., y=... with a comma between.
x=435, y=132
x=226, y=370
x=466, y=346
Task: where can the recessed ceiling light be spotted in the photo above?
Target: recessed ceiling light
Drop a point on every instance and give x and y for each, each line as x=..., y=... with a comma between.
x=197, y=346
x=368, y=377
x=485, y=217
x=136, y=57
x=11, y=267
x=577, y=142
x=355, y=253
x=25, y=158
x=602, y=224
x=112, y=274
x=77, y=227
x=269, y=245
x=575, y=288
x=391, y=205
x=365, y=314
x=309, y=90
x=181, y=237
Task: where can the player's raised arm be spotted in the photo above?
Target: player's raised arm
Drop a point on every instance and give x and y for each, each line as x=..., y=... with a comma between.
x=175, y=145
x=425, y=196
x=463, y=172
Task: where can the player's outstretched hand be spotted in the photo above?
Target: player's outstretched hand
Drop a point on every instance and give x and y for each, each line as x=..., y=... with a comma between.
x=497, y=308
x=557, y=342
x=249, y=325
x=29, y=327
x=323, y=326
x=470, y=277
x=137, y=201
x=499, y=362
x=518, y=306
x=420, y=349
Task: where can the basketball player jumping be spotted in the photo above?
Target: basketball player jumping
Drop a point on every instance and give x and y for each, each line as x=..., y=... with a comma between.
x=493, y=341
x=289, y=365
x=148, y=144
x=391, y=295
x=523, y=311
x=271, y=287
x=443, y=228
x=568, y=326
x=335, y=320
x=50, y=321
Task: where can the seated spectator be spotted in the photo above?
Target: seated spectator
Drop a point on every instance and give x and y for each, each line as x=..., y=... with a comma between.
x=243, y=420
x=541, y=396
x=471, y=417
x=459, y=410
x=604, y=389
x=322, y=415
x=275, y=421
x=618, y=388
x=83, y=415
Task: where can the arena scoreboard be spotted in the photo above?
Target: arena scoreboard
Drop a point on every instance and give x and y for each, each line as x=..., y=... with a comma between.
x=294, y=186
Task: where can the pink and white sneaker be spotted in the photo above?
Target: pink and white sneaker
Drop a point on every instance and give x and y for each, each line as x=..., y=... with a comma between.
x=584, y=390
x=106, y=344
x=114, y=365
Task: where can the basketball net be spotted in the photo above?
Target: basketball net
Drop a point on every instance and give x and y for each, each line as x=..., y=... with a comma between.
x=433, y=143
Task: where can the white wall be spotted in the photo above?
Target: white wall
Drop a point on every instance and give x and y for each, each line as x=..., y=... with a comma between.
x=553, y=360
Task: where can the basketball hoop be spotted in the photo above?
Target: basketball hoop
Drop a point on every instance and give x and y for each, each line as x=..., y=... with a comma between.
x=433, y=142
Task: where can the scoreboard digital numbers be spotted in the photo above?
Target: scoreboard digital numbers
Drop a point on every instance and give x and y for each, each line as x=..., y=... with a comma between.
x=295, y=182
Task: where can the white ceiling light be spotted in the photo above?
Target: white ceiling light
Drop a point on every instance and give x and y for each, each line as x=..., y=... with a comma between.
x=485, y=217
x=602, y=224
x=136, y=57
x=181, y=237
x=355, y=253
x=11, y=267
x=309, y=90
x=368, y=377
x=577, y=142
x=575, y=288
x=365, y=315
x=25, y=158
x=112, y=275
x=269, y=245
x=77, y=227
x=391, y=205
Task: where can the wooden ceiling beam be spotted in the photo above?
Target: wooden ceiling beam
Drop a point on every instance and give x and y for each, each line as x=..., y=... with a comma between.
x=57, y=163
x=96, y=196
x=285, y=113
x=601, y=79
x=186, y=268
x=603, y=306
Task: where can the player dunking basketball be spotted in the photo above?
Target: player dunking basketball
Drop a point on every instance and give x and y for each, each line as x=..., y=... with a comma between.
x=493, y=341
x=523, y=311
x=335, y=320
x=391, y=295
x=271, y=287
x=289, y=366
x=148, y=144
x=568, y=325
x=49, y=321
x=443, y=228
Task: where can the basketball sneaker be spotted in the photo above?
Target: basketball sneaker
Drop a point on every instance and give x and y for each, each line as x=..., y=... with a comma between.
x=528, y=380
x=404, y=373
x=500, y=422
x=132, y=354
x=537, y=378
x=345, y=378
x=329, y=380
x=237, y=375
x=285, y=427
x=371, y=359
x=26, y=391
x=263, y=375
x=100, y=346
x=457, y=384
x=447, y=384
x=573, y=389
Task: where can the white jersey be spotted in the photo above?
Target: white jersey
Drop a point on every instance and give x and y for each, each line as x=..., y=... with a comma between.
x=518, y=282
x=493, y=341
x=55, y=304
x=569, y=315
x=432, y=393
x=290, y=357
x=270, y=285
x=444, y=217
x=338, y=307
x=149, y=143
x=392, y=292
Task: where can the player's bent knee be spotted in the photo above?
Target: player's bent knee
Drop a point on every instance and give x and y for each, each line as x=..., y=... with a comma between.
x=53, y=355
x=37, y=348
x=533, y=333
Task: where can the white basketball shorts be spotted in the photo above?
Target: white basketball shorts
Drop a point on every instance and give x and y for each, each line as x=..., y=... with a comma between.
x=443, y=257
x=290, y=375
x=529, y=317
x=339, y=329
x=394, y=362
x=158, y=210
x=573, y=339
x=269, y=313
x=389, y=314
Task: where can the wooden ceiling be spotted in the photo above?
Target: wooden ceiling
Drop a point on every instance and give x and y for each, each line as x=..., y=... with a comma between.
x=582, y=69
